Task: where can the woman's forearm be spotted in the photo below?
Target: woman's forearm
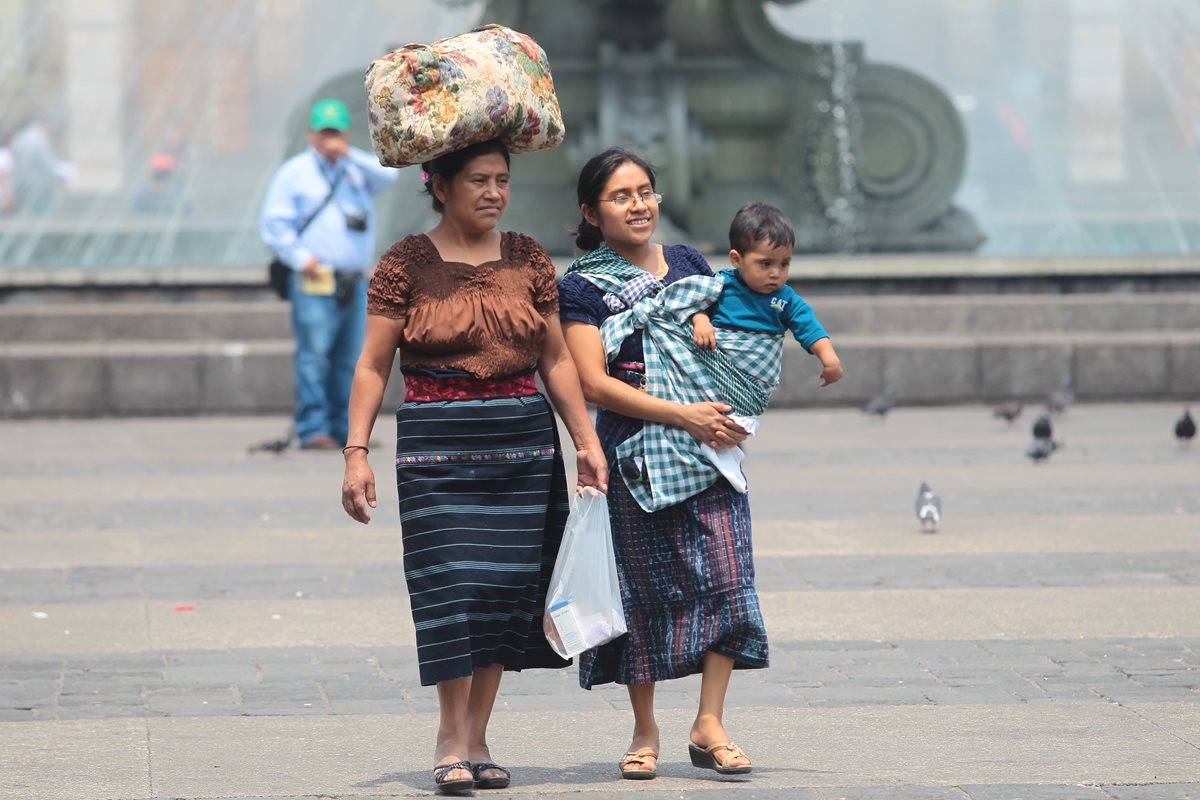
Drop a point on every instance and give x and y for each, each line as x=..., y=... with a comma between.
x=561, y=379
x=371, y=375
x=366, y=397
x=583, y=342
x=621, y=398
x=562, y=384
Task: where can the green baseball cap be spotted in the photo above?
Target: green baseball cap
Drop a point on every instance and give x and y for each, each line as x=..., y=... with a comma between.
x=329, y=113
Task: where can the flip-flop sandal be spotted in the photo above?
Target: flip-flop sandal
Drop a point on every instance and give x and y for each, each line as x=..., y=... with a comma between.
x=706, y=758
x=638, y=757
x=490, y=783
x=459, y=787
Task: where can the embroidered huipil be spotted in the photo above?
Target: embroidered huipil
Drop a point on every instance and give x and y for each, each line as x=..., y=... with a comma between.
x=488, y=320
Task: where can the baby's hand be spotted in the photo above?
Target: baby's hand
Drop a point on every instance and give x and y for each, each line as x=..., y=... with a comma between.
x=831, y=374
x=703, y=333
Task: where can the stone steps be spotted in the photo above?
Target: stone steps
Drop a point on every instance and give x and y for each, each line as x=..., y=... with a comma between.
x=141, y=322
x=933, y=370
x=1007, y=314
x=127, y=358
x=858, y=315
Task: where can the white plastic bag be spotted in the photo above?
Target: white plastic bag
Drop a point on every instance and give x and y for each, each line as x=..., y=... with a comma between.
x=583, y=604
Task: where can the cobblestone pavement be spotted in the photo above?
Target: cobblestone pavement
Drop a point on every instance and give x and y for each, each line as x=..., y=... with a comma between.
x=180, y=619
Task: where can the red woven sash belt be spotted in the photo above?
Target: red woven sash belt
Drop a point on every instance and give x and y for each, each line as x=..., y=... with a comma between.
x=429, y=388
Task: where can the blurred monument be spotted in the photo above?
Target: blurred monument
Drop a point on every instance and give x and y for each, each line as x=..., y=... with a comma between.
x=862, y=156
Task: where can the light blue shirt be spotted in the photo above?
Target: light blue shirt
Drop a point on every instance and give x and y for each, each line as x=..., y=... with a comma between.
x=740, y=308
x=299, y=187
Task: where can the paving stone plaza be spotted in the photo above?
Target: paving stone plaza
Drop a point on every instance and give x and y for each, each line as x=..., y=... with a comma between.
x=182, y=619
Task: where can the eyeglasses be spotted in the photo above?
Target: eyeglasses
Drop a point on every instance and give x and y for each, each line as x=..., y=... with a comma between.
x=625, y=200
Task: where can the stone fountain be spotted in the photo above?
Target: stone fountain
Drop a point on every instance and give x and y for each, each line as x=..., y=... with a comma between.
x=862, y=156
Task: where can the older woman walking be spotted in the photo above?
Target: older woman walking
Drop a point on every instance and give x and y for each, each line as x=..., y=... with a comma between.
x=687, y=572
x=479, y=470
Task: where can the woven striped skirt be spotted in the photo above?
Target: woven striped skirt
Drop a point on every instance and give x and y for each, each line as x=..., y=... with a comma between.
x=687, y=580
x=483, y=502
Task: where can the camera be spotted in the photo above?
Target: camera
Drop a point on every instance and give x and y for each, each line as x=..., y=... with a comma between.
x=356, y=221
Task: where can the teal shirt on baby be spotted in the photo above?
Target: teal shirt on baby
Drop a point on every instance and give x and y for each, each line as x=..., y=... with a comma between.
x=740, y=308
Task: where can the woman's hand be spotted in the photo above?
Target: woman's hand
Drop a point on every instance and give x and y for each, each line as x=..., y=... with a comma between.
x=707, y=423
x=591, y=468
x=358, y=488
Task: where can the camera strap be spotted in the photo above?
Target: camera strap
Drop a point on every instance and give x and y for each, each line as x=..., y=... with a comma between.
x=325, y=202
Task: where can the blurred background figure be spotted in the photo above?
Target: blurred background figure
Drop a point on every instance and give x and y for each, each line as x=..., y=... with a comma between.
x=163, y=193
x=319, y=219
x=37, y=171
x=7, y=199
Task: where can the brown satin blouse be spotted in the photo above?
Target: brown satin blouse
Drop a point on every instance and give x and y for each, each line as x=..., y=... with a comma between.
x=488, y=320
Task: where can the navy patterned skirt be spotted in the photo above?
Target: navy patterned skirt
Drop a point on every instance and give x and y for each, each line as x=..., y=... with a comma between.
x=687, y=580
x=483, y=502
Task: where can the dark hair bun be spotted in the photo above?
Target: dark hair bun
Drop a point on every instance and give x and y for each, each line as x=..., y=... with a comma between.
x=588, y=236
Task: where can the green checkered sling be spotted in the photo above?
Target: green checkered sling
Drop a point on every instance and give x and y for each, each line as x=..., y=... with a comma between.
x=743, y=371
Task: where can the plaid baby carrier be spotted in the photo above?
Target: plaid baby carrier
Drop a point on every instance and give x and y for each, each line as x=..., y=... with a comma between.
x=743, y=371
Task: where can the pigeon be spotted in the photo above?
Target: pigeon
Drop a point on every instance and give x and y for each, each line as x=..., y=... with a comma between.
x=929, y=508
x=881, y=403
x=1008, y=411
x=1185, y=427
x=1040, y=449
x=1062, y=397
x=1043, y=443
x=276, y=446
x=1042, y=428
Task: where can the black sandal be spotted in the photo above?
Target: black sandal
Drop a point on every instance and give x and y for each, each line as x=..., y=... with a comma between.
x=490, y=783
x=706, y=758
x=459, y=787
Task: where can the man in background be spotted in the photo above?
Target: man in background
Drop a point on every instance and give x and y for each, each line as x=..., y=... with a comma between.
x=319, y=219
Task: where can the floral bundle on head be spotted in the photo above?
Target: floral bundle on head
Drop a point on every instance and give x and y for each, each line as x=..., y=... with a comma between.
x=424, y=101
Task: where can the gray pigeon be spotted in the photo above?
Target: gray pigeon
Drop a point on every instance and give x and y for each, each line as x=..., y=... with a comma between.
x=881, y=403
x=1040, y=449
x=929, y=508
x=276, y=446
x=1062, y=397
x=1008, y=411
x=1043, y=443
x=1042, y=428
x=1185, y=427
